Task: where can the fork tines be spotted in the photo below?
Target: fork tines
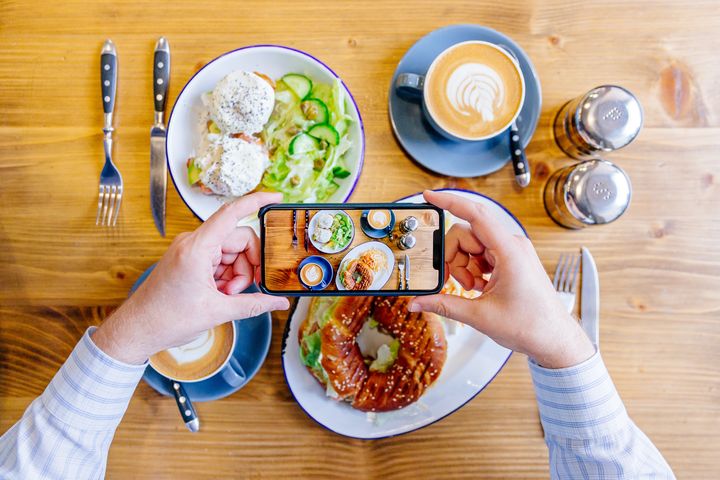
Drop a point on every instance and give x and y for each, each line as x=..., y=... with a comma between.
x=109, y=199
x=566, y=273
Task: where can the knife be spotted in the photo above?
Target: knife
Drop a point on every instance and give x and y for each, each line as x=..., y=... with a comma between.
x=407, y=272
x=590, y=298
x=307, y=222
x=187, y=411
x=158, y=164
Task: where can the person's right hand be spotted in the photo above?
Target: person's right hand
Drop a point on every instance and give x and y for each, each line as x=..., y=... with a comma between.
x=518, y=308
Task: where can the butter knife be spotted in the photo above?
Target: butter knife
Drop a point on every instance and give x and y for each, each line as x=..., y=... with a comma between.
x=158, y=163
x=590, y=298
x=407, y=272
x=307, y=223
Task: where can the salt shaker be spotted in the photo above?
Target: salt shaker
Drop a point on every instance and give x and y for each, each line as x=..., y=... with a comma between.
x=605, y=119
x=593, y=192
x=407, y=241
x=409, y=224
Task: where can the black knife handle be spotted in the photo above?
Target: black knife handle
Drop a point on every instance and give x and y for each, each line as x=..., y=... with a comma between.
x=161, y=73
x=187, y=411
x=519, y=160
x=108, y=75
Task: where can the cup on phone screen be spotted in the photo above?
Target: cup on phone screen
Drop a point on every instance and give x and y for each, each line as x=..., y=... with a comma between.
x=473, y=91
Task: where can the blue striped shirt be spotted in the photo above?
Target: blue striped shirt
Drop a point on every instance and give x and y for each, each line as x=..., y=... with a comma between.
x=66, y=432
x=587, y=430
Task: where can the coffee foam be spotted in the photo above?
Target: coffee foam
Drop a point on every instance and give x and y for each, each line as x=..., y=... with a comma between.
x=474, y=90
x=195, y=350
x=312, y=273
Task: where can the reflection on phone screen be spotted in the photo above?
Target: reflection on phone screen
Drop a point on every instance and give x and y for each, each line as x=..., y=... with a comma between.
x=351, y=249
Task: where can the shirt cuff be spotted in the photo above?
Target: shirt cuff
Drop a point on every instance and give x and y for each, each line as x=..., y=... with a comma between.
x=91, y=390
x=578, y=402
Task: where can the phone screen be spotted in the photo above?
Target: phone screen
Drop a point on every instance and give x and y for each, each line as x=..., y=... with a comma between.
x=352, y=249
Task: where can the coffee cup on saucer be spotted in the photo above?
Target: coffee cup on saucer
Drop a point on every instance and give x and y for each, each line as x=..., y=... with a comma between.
x=473, y=91
x=210, y=354
x=315, y=272
x=377, y=223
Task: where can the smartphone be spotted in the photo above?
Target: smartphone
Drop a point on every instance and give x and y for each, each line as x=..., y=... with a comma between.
x=352, y=249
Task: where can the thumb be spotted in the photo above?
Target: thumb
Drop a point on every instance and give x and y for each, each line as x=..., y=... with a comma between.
x=464, y=310
x=248, y=305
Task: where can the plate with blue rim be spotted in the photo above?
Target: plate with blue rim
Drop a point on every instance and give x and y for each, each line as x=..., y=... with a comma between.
x=251, y=349
x=473, y=361
x=429, y=148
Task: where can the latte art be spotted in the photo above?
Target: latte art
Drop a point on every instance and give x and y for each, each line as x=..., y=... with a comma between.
x=195, y=350
x=474, y=88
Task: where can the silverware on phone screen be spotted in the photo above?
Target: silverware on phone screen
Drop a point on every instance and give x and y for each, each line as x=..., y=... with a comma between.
x=111, y=183
x=294, y=227
x=590, y=298
x=158, y=164
x=187, y=411
x=407, y=272
x=307, y=223
x=401, y=274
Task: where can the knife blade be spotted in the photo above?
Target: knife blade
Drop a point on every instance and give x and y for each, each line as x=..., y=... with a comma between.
x=158, y=163
x=307, y=222
x=590, y=298
x=407, y=272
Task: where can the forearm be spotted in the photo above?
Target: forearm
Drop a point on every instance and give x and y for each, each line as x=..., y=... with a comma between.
x=588, y=430
x=66, y=432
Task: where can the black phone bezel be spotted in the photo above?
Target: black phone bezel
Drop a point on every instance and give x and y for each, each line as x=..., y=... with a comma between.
x=438, y=248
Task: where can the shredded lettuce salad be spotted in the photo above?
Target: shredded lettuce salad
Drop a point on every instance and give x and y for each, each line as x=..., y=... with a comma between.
x=307, y=137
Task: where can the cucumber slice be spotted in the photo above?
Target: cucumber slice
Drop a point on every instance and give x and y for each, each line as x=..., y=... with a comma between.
x=302, y=143
x=325, y=132
x=193, y=172
x=315, y=110
x=299, y=84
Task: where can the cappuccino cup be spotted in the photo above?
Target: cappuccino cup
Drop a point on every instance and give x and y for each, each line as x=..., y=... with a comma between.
x=210, y=354
x=473, y=91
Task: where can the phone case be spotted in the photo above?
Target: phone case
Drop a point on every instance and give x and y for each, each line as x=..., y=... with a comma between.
x=438, y=248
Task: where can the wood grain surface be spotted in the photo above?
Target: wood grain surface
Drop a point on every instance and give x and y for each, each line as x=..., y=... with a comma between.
x=659, y=264
x=282, y=259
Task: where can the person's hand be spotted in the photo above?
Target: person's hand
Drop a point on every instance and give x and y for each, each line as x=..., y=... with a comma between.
x=194, y=287
x=518, y=308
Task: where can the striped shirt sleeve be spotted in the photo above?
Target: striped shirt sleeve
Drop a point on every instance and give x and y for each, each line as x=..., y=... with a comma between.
x=587, y=429
x=66, y=431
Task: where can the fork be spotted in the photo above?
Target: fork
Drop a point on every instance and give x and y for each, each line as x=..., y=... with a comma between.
x=565, y=279
x=111, y=184
x=401, y=273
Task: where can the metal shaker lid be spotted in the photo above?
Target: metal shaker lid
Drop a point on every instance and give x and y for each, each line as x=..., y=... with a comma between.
x=597, y=192
x=609, y=117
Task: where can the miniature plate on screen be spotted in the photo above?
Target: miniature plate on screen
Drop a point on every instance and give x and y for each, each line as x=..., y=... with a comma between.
x=472, y=363
x=380, y=278
x=273, y=61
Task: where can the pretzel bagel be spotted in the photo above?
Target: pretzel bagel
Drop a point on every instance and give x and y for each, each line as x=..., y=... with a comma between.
x=336, y=322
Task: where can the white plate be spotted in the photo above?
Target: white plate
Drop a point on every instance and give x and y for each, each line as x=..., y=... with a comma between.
x=381, y=277
x=473, y=362
x=274, y=61
x=322, y=246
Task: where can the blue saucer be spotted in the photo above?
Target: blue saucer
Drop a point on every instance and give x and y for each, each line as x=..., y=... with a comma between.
x=374, y=232
x=429, y=148
x=251, y=348
x=326, y=268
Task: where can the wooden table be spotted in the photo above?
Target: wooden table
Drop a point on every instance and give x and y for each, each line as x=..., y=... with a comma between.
x=659, y=264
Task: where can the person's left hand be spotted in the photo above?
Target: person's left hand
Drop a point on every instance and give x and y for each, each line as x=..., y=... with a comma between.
x=195, y=286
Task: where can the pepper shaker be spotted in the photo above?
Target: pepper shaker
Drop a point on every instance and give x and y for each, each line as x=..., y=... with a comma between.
x=593, y=192
x=409, y=224
x=606, y=118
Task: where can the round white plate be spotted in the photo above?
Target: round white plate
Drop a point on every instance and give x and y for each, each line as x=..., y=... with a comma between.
x=321, y=246
x=473, y=362
x=274, y=61
x=382, y=277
